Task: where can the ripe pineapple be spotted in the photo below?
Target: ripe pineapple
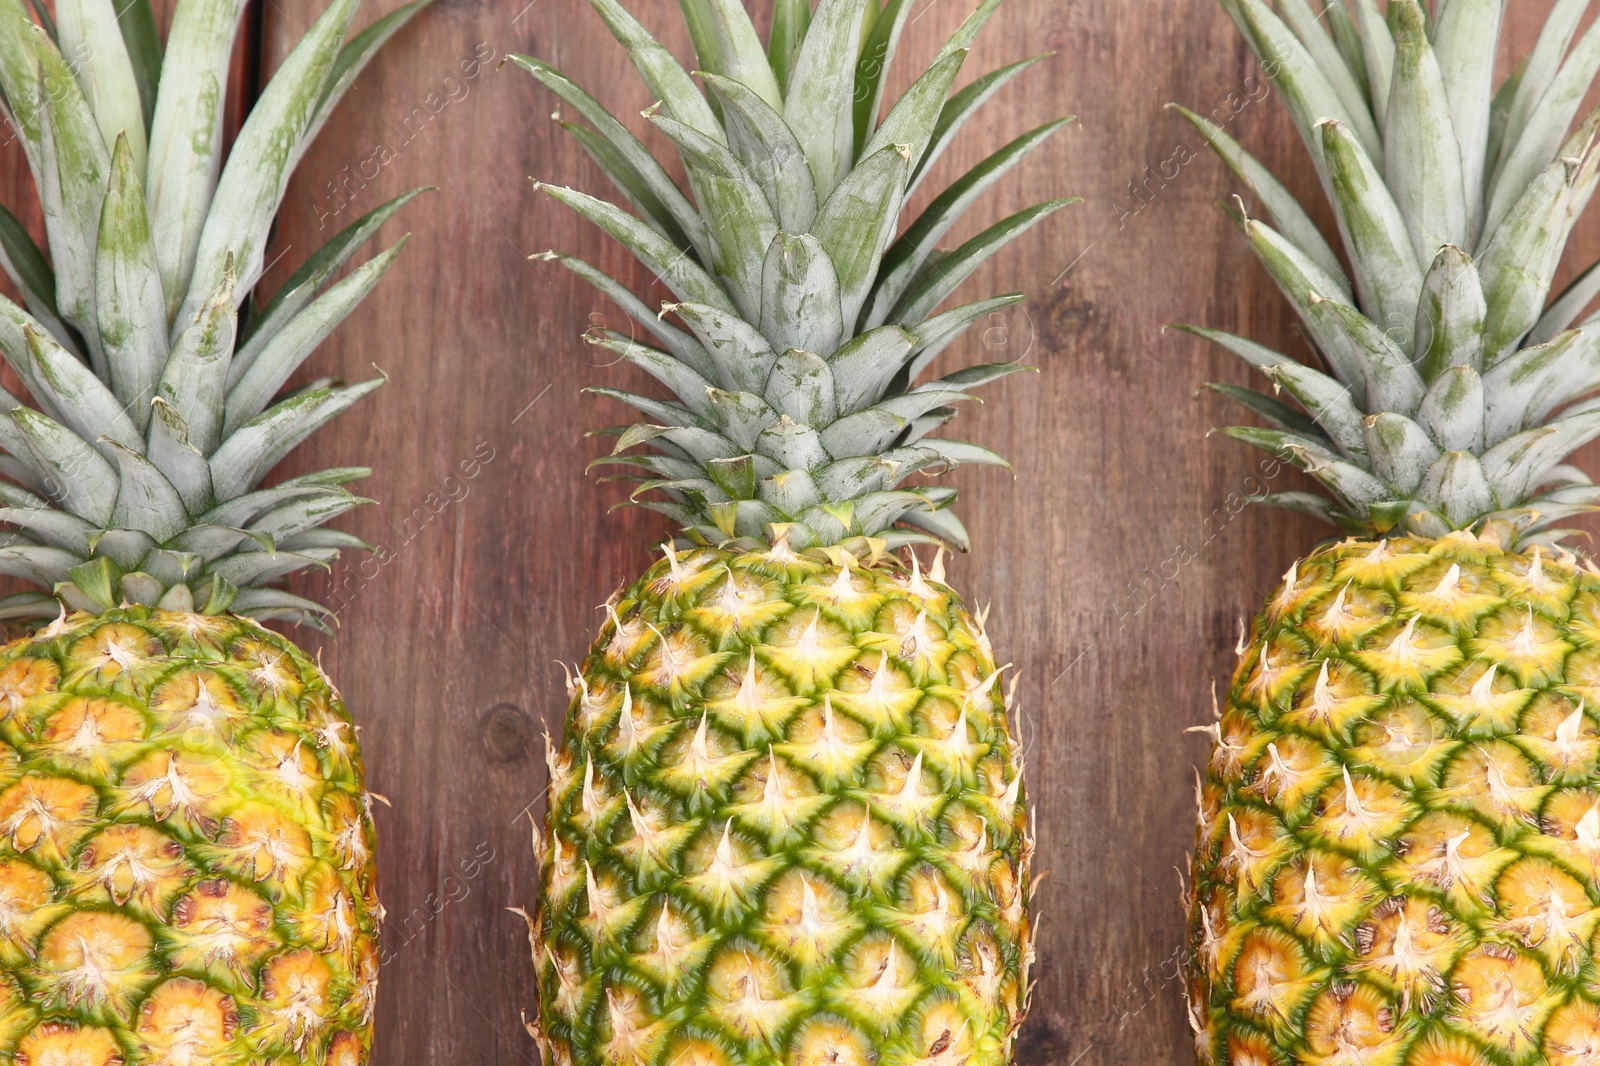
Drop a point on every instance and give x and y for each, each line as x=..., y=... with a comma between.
x=1398, y=855
x=786, y=822
x=186, y=871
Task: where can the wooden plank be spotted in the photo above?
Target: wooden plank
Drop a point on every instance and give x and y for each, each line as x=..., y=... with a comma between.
x=1119, y=564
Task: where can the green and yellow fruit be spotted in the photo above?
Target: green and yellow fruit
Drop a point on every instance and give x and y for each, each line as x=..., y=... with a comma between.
x=786, y=822
x=1398, y=855
x=186, y=851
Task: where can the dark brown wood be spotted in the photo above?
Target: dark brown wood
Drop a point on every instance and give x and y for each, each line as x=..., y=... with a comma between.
x=1119, y=565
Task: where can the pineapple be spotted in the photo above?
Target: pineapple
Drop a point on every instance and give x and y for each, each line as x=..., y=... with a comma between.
x=786, y=822
x=1398, y=853
x=186, y=868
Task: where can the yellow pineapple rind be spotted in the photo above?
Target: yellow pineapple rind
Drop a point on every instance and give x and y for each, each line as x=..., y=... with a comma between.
x=786, y=826
x=186, y=869
x=1398, y=852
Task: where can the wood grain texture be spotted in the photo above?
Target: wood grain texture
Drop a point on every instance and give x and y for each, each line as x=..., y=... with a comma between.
x=1119, y=564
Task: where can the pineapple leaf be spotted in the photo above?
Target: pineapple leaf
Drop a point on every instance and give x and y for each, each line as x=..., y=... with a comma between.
x=1518, y=464
x=735, y=50
x=1324, y=51
x=29, y=270
x=87, y=407
x=73, y=472
x=629, y=164
x=1348, y=38
x=244, y=457
x=802, y=387
x=299, y=515
x=1566, y=308
x=1499, y=118
x=1327, y=401
x=1393, y=383
x=90, y=30
x=1518, y=265
x=1524, y=388
x=304, y=284
x=741, y=355
x=1275, y=411
x=818, y=105
x=651, y=407
x=942, y=525
x=1305, y=88
x=659, y=69
x=669, y=262
x=142, y=41
x=910, y=252
x=1538, y=71
x=46, y=524
x=1303, y=285
x=943, y=277
x=935, y=334
x=194, y=381
x=1282, y=208
x=1387, y=274
x=1453, y=409
x=680, y=344
x=37, y=563
x=352, y=58
x=186, y=135
x=1423, y=161
x=146, y=500
x=1257, y=355
x=244, y=510
x=790, y=20
x=740, y=218
x=741, y=416
x=865, y=364
x=130, y=310
x=682, y=381
x=866, y=432
x=253, y=182
x=872, y=68
x=1450, y=314
x=1306, y=503
x=1377, y=45
x=1351, y=484
x=793, y=445
x=767, y=147
x=1399, y=450
x=1539, y=138
x=19, y=73
x=1465, y=38
x=167, y=446
x=290, y=346
x=962, y=106
x=74, y=167
x=269, y=605
x=1456, y=482
x=857, y=223
x=912, y=119
x=800, y=302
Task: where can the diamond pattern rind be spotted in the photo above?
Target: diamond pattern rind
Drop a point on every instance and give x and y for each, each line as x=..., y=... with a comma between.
x=786, y=826
x=186, y=869
x=1398, y=853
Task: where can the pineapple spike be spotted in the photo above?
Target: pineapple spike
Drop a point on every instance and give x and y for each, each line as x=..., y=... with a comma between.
x=798, y=324
x=1455, y=386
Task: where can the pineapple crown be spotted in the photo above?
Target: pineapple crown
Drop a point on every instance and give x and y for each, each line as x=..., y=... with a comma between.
x=155, y=393
x=1454, y=390
x=800, y=322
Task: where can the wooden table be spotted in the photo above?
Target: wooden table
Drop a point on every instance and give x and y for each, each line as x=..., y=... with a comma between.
x=1119, y=565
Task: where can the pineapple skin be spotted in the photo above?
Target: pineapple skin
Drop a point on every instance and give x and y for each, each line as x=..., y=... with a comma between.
x=186, y=870
x=1398, y=854
x=786, y=826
